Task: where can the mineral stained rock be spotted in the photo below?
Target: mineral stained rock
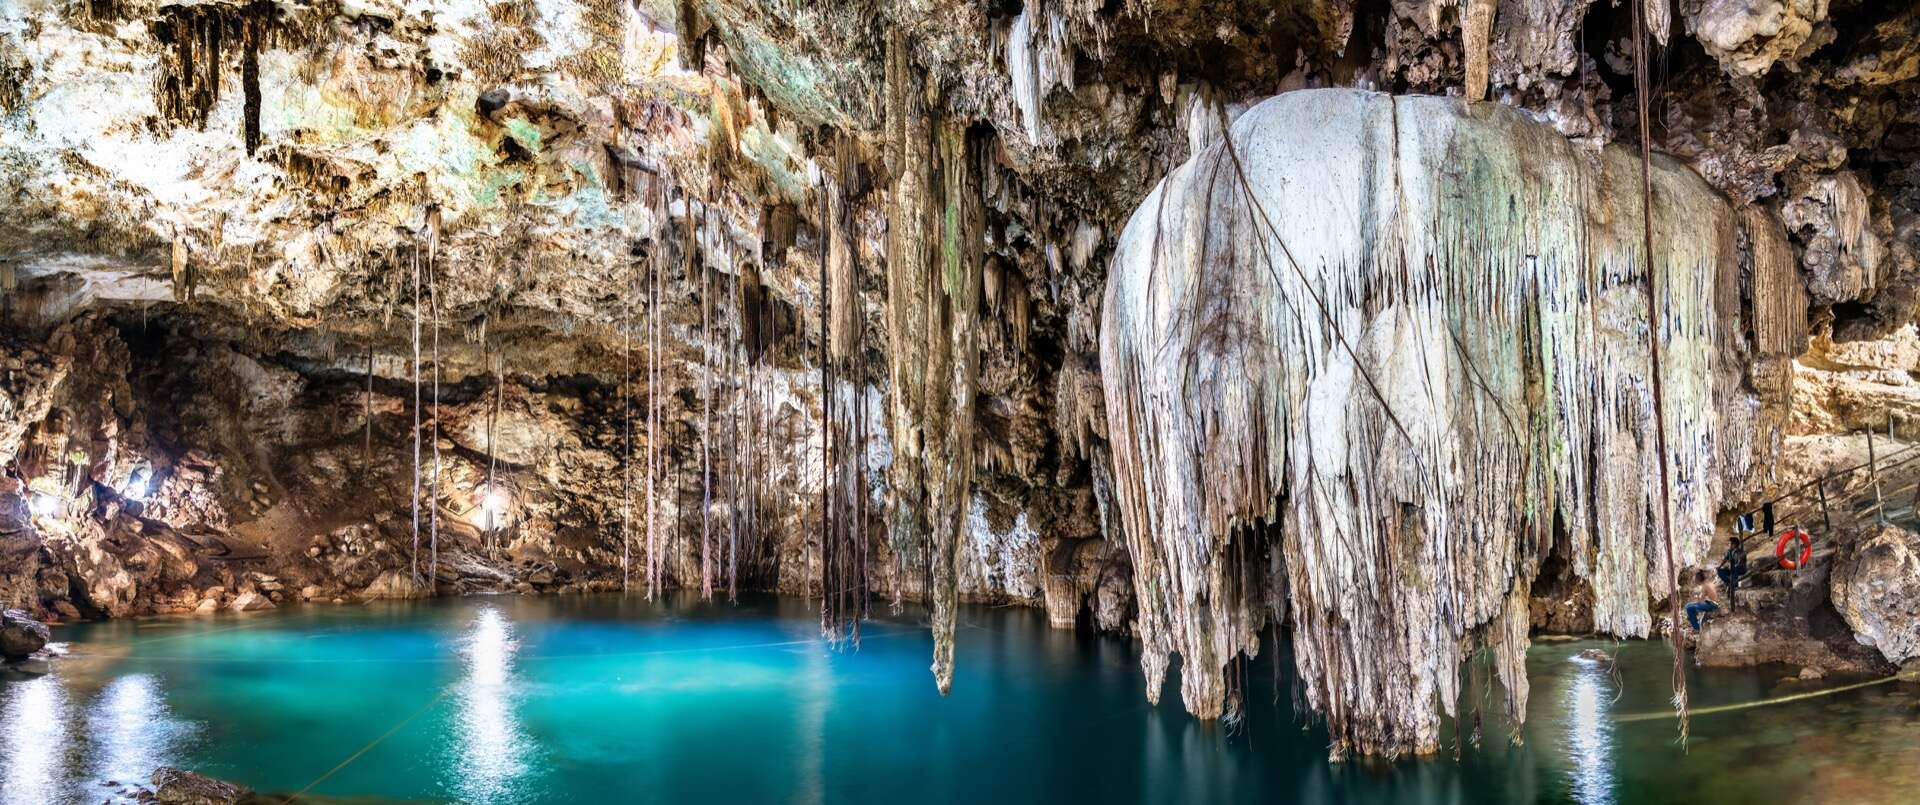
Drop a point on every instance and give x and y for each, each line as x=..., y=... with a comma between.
x=1876, y=587
x=1374, y=361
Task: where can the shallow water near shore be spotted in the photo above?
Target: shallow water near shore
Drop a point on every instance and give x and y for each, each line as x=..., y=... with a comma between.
x=585, y=699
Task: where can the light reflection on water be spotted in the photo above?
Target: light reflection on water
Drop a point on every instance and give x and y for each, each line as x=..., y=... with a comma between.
x=1589, y=738
x=491, y=752
x=132, y=731
x=532, y=700
x=34, y=746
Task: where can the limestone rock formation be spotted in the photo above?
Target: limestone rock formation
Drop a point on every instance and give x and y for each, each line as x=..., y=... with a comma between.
x=1876, y=587
x=180, y=787
x=814, y=281
x=1374, y=360
x=21, y=635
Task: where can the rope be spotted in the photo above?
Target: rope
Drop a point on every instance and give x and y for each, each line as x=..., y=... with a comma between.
x=1728, y=708
x=370, y=745
x=1655, y=321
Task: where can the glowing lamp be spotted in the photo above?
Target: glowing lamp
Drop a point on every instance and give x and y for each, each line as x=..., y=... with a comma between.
x=495, y=504
x=138, y=486
x=45, y=505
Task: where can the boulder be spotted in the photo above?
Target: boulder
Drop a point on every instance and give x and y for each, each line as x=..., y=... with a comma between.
x=250, y=601
x=394, y=584
x=1746, y=638
x=1876, y=588
x=177, y=787
x=20, y=635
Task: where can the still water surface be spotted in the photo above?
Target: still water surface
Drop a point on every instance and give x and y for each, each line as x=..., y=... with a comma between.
x=550, y=699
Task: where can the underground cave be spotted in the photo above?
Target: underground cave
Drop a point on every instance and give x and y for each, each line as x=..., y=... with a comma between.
x=959, y=401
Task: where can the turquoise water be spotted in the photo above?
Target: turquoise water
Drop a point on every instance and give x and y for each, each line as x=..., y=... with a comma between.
x=597, y=699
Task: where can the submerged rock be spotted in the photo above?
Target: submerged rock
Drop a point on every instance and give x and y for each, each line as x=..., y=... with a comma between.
x=1876, y=588
x=178, y=787
x=20, y=635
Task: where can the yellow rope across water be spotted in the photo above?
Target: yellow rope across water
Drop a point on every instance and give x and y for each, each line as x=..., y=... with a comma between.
x=1728, y=708
x=370, y=745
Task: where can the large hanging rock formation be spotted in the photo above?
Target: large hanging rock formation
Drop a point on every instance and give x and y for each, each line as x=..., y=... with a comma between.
x=1366, y=367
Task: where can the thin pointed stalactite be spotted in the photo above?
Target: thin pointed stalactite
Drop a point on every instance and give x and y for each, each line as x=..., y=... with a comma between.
x=433, y=497
x=706, y=415
x=417, y=312
x=497, y=365
x=1655, y=332
x=829, y=626
x=734, y=496
x=654, y=258
x=626, y=431
x=366, y=449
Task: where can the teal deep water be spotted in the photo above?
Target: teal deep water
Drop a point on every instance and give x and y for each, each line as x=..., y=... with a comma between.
x=603, y=699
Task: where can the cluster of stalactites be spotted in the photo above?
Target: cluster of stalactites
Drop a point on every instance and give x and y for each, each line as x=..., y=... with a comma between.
x=1414, y=336
x=933, y=298
x=199, y=40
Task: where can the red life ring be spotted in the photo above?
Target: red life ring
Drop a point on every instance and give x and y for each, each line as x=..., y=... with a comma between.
x=1806, y=549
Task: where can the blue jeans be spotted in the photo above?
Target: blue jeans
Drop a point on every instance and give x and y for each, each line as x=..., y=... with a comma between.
x=1695, y=609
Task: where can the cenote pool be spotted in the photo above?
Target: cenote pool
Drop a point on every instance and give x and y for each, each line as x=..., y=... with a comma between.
x=554, y=699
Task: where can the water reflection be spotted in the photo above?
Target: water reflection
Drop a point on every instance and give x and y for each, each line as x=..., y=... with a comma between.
x=491, y=747
x=1589, y=739
x=33, y=735
x=131, y=731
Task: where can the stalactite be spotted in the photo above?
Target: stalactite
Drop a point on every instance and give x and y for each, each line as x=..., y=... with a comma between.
x=933, y=298
x=197, y=42
x=735, y=347
x=1665, y=500
x=1500, y=310
x=1039, y=56
x=498, y=365
x=706, y=416
x=433, y=498
x=626, y=430
x=417, y=311
x=829, y=577
x=366, y=449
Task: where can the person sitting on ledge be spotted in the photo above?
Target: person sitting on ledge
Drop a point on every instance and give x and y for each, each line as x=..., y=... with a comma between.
x=1733, y=568
x=1703, y=592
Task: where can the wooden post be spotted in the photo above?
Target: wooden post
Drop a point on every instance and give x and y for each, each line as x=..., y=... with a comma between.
x=1825, y=519
x=1873, y=473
